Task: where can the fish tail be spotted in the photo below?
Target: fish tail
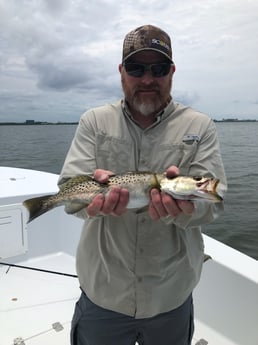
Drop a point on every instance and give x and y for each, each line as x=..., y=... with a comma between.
x=37, y=206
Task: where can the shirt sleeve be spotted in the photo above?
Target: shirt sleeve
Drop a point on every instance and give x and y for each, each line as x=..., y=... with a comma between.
x=80, y=159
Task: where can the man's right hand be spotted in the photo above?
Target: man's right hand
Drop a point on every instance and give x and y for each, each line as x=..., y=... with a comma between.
x=115, y=202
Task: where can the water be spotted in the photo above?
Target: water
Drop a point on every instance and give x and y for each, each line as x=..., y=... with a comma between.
x=45, y=147
x=238, y=225
x=35, y=147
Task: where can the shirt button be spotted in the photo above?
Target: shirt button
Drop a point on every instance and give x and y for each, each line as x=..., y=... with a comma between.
x=143, y=220
x=139, y=279
x=141, y=250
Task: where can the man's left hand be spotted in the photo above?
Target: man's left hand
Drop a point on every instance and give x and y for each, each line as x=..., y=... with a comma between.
x=163, y=205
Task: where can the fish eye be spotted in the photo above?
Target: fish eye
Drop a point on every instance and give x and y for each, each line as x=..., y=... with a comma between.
x=197, y=178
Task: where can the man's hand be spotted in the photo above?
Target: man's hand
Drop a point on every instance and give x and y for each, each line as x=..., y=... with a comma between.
x=163, y=205
x=114, y=203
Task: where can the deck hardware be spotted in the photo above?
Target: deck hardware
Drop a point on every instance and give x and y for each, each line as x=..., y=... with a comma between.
x=202, y=342
x=57, y=326
x=18, y=341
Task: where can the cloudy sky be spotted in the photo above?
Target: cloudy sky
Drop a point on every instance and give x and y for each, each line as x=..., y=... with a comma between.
x=59, y=58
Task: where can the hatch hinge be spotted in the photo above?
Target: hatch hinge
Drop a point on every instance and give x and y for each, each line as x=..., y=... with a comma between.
x=202, y=342
x=57, y=326
x=18, y=341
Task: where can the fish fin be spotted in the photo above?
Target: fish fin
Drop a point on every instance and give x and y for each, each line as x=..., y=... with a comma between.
x=73, y=181
x=142, y=209
x=37, y=206
x=74, y=207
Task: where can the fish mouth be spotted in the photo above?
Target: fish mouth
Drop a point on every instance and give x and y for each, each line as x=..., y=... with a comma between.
x=209, y=193
x=203, y=186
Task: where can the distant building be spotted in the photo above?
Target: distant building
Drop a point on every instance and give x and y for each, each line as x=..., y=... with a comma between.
x=30, y=122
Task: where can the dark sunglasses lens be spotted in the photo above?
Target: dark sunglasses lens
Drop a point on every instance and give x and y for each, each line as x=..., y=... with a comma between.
x=157, y=70
x=135, y=69
x=160, y=70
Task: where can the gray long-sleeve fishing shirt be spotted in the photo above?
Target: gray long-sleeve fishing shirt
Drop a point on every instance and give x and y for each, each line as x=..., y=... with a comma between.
x=132, y=264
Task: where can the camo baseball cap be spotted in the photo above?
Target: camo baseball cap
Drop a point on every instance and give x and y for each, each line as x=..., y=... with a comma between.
x=147, y=37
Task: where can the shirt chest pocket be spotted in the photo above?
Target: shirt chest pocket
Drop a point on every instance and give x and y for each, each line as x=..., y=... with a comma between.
x=113, y=153
x=180, y=155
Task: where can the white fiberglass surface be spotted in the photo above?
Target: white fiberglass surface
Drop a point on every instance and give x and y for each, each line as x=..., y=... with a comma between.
x=37, y=307
x=15, y=182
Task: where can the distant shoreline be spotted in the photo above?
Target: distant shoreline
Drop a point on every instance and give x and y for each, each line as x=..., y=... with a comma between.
x=43, y=123
x=235, y=120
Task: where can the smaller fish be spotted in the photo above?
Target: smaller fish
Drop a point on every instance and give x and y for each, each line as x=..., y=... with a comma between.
x=78, y=192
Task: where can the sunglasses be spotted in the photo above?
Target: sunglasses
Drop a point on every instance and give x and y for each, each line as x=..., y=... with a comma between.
x=139, y=69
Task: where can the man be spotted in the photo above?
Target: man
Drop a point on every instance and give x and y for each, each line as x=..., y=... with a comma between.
x=137, y=271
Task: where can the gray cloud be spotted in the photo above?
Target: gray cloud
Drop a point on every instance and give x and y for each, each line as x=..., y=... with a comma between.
x=186, y=98
x=54, y=49
x=56, y=7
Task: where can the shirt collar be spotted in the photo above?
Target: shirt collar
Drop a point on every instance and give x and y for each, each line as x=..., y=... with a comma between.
x=159, y=117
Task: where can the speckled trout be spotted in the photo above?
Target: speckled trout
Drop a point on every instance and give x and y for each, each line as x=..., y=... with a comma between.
x=79, y=191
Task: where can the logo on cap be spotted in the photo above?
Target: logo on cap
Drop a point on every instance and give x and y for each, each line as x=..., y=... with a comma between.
x=160, y=43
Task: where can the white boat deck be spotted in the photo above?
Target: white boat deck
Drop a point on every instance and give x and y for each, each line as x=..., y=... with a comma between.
x=36, y=307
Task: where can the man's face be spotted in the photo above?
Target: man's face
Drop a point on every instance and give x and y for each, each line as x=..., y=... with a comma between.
x=147, y=95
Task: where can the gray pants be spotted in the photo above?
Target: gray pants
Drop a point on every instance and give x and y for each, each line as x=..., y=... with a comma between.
x=93, y=325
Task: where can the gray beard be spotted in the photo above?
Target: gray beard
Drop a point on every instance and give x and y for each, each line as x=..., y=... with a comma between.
x=146, y=109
